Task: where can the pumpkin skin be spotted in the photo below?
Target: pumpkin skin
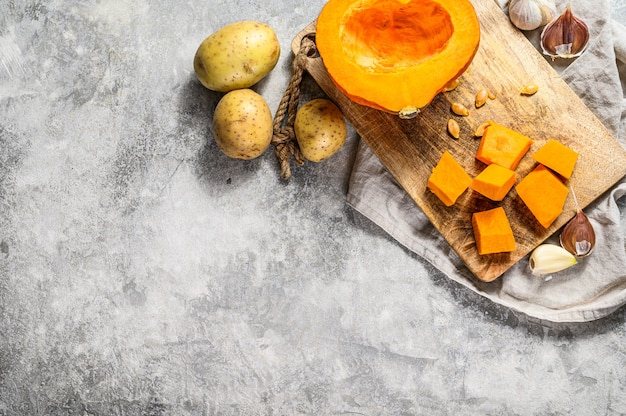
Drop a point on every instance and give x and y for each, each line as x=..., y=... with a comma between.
x=396, y=55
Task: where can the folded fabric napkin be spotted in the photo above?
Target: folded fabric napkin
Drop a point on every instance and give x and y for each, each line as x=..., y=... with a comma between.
x=597, y=285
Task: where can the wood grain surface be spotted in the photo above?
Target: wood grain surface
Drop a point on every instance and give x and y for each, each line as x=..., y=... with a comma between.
x=505, y=62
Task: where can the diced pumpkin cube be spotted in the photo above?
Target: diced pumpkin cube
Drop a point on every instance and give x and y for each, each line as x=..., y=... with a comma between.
x=543, y=193
x=502, y=146
x=558, y=157
x=494, y=182
x=492, y=231
x=448, y=179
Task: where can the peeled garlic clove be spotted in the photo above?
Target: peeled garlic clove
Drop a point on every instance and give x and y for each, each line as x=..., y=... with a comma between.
x=578, y=236
x=531, y=14
x=550, y=258
x=565, y=37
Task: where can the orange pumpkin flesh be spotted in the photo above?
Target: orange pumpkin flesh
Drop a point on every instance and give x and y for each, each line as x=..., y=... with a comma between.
x=396, y=55
x=558, y=157
x=543, y=193
x=448, y=180
x=492, y=231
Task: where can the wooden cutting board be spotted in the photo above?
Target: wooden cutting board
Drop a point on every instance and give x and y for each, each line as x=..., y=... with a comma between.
x=505, y=62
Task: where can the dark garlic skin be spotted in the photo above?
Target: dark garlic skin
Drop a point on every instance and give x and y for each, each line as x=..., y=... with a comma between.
x=565, y=37
x=578, y=236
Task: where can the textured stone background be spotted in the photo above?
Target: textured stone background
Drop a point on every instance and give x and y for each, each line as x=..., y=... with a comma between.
x=144, y=273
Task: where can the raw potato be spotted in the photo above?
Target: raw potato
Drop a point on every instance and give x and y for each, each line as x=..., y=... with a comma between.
x=236, y=56
x=320, y=129
x=242, y=124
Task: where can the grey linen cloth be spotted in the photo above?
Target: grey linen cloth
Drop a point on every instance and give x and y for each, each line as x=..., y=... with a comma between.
x=593, y=288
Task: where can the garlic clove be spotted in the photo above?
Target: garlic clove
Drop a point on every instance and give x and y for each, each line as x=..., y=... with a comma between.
x=566, y=36
x=578, y=237
x=550, y=258
x=531, y=14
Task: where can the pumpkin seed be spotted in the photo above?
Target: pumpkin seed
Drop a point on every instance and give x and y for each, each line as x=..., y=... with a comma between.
x=453, y=128
x=530, y=89
x=451, y=86
x=480, y=130
x=459, y=109
x=481, y=98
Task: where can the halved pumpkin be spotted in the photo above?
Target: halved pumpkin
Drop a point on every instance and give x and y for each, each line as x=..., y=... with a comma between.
x=396, y=55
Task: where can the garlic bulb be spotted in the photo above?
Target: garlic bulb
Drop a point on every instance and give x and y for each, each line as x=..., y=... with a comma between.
x=565, y=37
x=550, y=258
x=531, y=14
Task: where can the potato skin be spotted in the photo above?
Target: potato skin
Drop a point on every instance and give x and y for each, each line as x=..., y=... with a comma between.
x=242, y=124
x=320, y=129
x=236, y=56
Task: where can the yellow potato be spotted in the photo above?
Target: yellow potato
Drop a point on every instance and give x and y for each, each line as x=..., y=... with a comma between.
x=320, y=129
x=242, y=124
x=236, y=56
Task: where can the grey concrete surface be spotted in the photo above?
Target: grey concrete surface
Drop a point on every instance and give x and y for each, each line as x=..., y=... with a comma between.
x=144, y=273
